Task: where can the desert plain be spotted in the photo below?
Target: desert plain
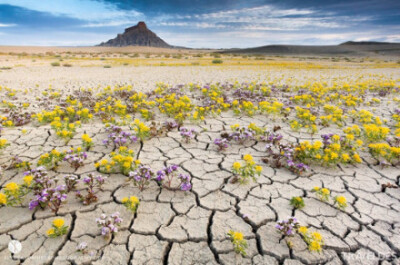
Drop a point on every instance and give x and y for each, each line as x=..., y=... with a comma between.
x=261, y=105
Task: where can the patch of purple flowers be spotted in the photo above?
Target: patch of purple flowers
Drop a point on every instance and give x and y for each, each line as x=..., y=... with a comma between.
x=287, y=227
x=76, y=160
x=41, y=180
x=118, y=137
x=109, y=225
x=70, y=182
x=185, y=182
x=222, y=143
x=53, y=198
x=241, y=135
x=187, y=134
x=141, y=176
x=93, y=184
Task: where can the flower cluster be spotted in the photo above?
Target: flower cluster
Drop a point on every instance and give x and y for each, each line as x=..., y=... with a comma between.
x=71, y=182
x=82, y=247
x=122, y=161
x=240, y=134
x=374, y=133
x=45, y=190
x=314, y=240
x=305, y=119
x=87, y=142
x=109, y=225
x=18, y=163
x=291, y=226
x=187, y=134
x=288, y=227
x=14, y=193
x=297, y=202
x=65, y=129
x=52, y=198
x=333, y=150
x=141, y=176
x=274, y=109
x=238, y=242
x=222, y=143
x=92, y=185
x=248, y=170
x=174, y=106
x=141, y=130
x=166, y=175
x=282, y=154
x=341, y=202
x=185, y=184
x=385, y=153
x=3, y=143
x=75, y=157
x=118, y=137
x=334, y=115
x=322, y=193
x=131, y=203
x=17, y=117
x=51, y=160
x=58, y=228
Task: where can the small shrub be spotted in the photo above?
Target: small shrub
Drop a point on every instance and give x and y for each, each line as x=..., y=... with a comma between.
x=217, y=61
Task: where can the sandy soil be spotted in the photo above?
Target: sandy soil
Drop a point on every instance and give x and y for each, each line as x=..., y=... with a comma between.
x=91, y=49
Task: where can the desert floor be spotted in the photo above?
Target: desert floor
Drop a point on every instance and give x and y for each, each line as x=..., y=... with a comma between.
x=177, y=227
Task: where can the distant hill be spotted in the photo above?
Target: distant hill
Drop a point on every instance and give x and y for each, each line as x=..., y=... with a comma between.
x=367, y=43
x=349, y=48
x=138, y=35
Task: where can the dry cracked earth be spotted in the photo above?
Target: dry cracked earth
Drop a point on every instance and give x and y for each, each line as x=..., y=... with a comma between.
x=175, y=227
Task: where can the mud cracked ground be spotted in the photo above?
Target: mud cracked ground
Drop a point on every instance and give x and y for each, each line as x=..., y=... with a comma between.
x=175, y=227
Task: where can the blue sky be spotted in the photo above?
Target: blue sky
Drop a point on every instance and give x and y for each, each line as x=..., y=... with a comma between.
x=200, y=23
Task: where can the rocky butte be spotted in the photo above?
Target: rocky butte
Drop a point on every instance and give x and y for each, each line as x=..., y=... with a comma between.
x=138, y=35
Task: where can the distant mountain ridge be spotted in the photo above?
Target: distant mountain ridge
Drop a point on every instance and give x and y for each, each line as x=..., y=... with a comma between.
x=367, y=43
x=138, y=35
x=350, y=48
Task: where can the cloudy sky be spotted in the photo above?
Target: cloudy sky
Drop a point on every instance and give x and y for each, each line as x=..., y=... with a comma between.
x=200, y=23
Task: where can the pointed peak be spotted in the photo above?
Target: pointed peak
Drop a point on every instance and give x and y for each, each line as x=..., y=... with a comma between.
x=138, y=35
x=140, y=25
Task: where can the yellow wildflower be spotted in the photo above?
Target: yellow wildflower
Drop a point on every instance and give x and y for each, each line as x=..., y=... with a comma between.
x=58, y=222
x=247, y=158
x=237, y=236
x=3, y=198
x=237, y=165
x=28, y=180
x=50, y=231
x=314, y=246
x=12, y=187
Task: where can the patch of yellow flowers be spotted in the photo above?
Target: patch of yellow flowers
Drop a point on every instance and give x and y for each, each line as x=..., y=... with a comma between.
x=122, y=161
x=248, y=170
x=314, y=240
x=58, y=228
x=131, y=203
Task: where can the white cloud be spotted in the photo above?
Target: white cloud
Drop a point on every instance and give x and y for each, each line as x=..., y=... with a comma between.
x=88, y=10
x=265, y=18
x=109, y=24
x=7, y=25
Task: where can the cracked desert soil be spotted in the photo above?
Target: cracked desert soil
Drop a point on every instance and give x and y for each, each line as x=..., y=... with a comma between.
x=174, y=227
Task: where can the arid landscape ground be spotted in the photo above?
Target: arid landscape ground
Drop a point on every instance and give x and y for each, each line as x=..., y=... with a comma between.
x=325, y=130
